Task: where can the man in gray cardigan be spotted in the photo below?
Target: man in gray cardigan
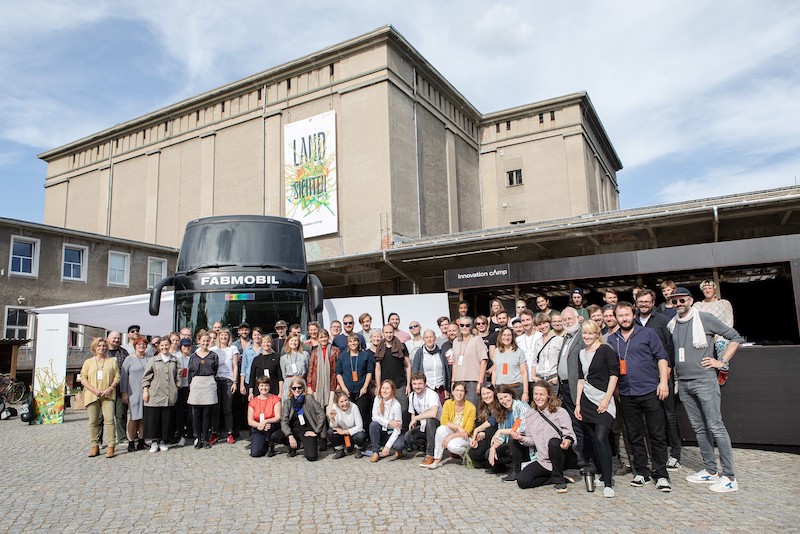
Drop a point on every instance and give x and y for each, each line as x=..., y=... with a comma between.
x=695, y=368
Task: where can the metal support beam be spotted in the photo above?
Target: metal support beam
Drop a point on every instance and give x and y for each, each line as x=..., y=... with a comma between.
x=593, y=240
x=785, y=218
x=795, y=270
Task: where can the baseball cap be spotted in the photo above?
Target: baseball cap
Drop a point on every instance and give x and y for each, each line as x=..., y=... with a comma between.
x=680, y=291
x=186, y=342
x=244, y=325
x=280, y=323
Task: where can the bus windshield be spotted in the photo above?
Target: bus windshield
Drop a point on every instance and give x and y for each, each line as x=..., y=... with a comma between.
x=200, y=310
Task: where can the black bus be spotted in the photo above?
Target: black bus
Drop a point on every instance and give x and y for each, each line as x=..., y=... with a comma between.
x=242, y=268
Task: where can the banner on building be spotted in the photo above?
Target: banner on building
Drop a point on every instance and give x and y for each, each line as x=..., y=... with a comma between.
x=310, y=173
x=52, y=338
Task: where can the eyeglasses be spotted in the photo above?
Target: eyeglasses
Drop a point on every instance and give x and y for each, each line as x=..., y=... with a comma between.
x=297, y=388
x=133, y=331
x=462, y=325
x=682, y=300
x=348, y=322
x=479, y=323
x=413, y=326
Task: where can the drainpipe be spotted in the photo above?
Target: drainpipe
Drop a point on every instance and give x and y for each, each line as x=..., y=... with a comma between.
x=716, y=223
x=414, y=287
x=263, y=150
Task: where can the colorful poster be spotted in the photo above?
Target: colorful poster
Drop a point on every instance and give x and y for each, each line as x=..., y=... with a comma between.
x=52, y=337
x=310, y=173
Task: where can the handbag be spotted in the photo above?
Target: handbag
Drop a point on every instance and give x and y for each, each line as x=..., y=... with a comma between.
x=560, y=433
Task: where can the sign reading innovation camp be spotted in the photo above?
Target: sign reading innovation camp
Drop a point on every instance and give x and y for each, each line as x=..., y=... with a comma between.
x=310, y=173
x=477, y=276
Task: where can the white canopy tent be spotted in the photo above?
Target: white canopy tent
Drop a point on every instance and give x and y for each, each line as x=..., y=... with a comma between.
x=119, y=313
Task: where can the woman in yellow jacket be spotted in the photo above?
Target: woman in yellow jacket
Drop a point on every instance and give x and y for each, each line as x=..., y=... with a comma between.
x=456, y=426
x=99, y=377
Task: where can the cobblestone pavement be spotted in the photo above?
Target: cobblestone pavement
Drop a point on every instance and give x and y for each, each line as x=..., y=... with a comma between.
x=51, y=484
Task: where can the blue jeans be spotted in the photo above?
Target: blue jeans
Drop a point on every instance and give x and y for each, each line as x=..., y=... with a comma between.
x=378, y=435
x=701, y=398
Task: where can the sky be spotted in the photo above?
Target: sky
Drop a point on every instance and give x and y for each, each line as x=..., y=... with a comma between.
x=699, y=98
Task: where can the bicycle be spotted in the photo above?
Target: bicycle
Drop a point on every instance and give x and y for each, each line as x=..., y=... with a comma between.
x=12, y=389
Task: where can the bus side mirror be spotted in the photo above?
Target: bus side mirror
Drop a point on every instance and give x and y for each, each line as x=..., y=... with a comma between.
x=155, y=294
x=315, y=293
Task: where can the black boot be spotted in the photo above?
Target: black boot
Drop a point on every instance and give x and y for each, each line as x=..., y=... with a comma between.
x=512, y=476
x=271, y=450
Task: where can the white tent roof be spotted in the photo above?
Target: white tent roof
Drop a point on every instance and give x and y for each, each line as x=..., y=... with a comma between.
x=119, y=313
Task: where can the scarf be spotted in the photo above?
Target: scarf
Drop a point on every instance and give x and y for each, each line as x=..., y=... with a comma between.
x=434, y=350
x=297, y=404
x=699, y=340
x=323, y=374
x=395, y=350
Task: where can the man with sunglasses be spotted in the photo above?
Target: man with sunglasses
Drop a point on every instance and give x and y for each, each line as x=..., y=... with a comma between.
x=340, y=340
x=696, y=370
x=416, y=340
x=133, y=333
x=469, y=359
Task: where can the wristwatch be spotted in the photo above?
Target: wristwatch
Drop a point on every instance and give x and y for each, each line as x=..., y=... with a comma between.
x=725, y=366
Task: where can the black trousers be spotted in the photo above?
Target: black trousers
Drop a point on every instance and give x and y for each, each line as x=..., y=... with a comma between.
x=260, y=438
x=512, y=453
x=364, y=405
x=535, y=474
x=633, y=409
x=599, y=435
x=310, y=448
x=359, y=439
x=183, y=421
x=673, y=433
x=478, y=454
x=569, y=404
x=222, y=421
x=201, y=421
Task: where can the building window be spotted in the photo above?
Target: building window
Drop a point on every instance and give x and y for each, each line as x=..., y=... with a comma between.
x=508, y=125
x=514, y=177
x=497, y=128
x=541, y=118
x=552, y=115
x=24, y=256
x=521, y=221
x=74, y=264
x=118, y=268
x=16, y=326
x=156, y=271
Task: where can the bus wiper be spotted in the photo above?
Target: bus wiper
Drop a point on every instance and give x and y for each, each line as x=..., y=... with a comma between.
x=271, y=266
x=209, y=266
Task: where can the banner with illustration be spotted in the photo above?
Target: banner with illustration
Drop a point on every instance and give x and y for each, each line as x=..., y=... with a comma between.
x=52, y=338
x=310, y=173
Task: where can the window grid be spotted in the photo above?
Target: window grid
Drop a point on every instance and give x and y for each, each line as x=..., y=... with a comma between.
x=24, y=258
x=514, y=177
x=16, y=323
x=156, y=271
x=118, y=264
x=74, y=266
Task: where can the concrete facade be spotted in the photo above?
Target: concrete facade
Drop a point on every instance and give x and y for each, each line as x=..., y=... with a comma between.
x=415, y=159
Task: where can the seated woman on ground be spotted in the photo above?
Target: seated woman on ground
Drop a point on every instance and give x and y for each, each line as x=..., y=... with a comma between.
x=457, y=424
x=302, y=420
x=548, y=428
x=263, y=416
x=387, y=423
x=346, y=428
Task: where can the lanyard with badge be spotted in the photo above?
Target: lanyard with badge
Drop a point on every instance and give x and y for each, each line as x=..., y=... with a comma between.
x=623, y=366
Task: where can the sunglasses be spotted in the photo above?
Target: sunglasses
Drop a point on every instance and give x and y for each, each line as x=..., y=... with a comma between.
x=479, y=323
x=133, y=332
x=297, y=388
x=348, y=322
x=413, y=326
x=465, y=325
x=682, y=300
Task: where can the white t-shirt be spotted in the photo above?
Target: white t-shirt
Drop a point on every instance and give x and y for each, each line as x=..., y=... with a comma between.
x=226, y=355
x=526, y=344
x=419, y=403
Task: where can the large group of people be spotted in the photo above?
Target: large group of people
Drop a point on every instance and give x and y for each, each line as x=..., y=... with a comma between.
x=527, y=396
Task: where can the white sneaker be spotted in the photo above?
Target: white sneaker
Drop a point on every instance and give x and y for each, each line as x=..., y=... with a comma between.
x=703, y=477
x=154, y=447
x=608, y=492
x=181, y=442
x=162, y=446
x=663, y=485
x=725, y=485
x=673, y=463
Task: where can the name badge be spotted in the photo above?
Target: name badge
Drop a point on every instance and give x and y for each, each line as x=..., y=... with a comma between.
x=461, y=360
x=261, y=418
x=266, y=372
x=505, y=368
x=355, y=376
x=184, y=372
x=681, y=355
x=99, y=374
x=623, y=367
x=294, y=368
x=301, y=419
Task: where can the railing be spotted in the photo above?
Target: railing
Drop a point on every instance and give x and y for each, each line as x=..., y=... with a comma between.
x=75, y=358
